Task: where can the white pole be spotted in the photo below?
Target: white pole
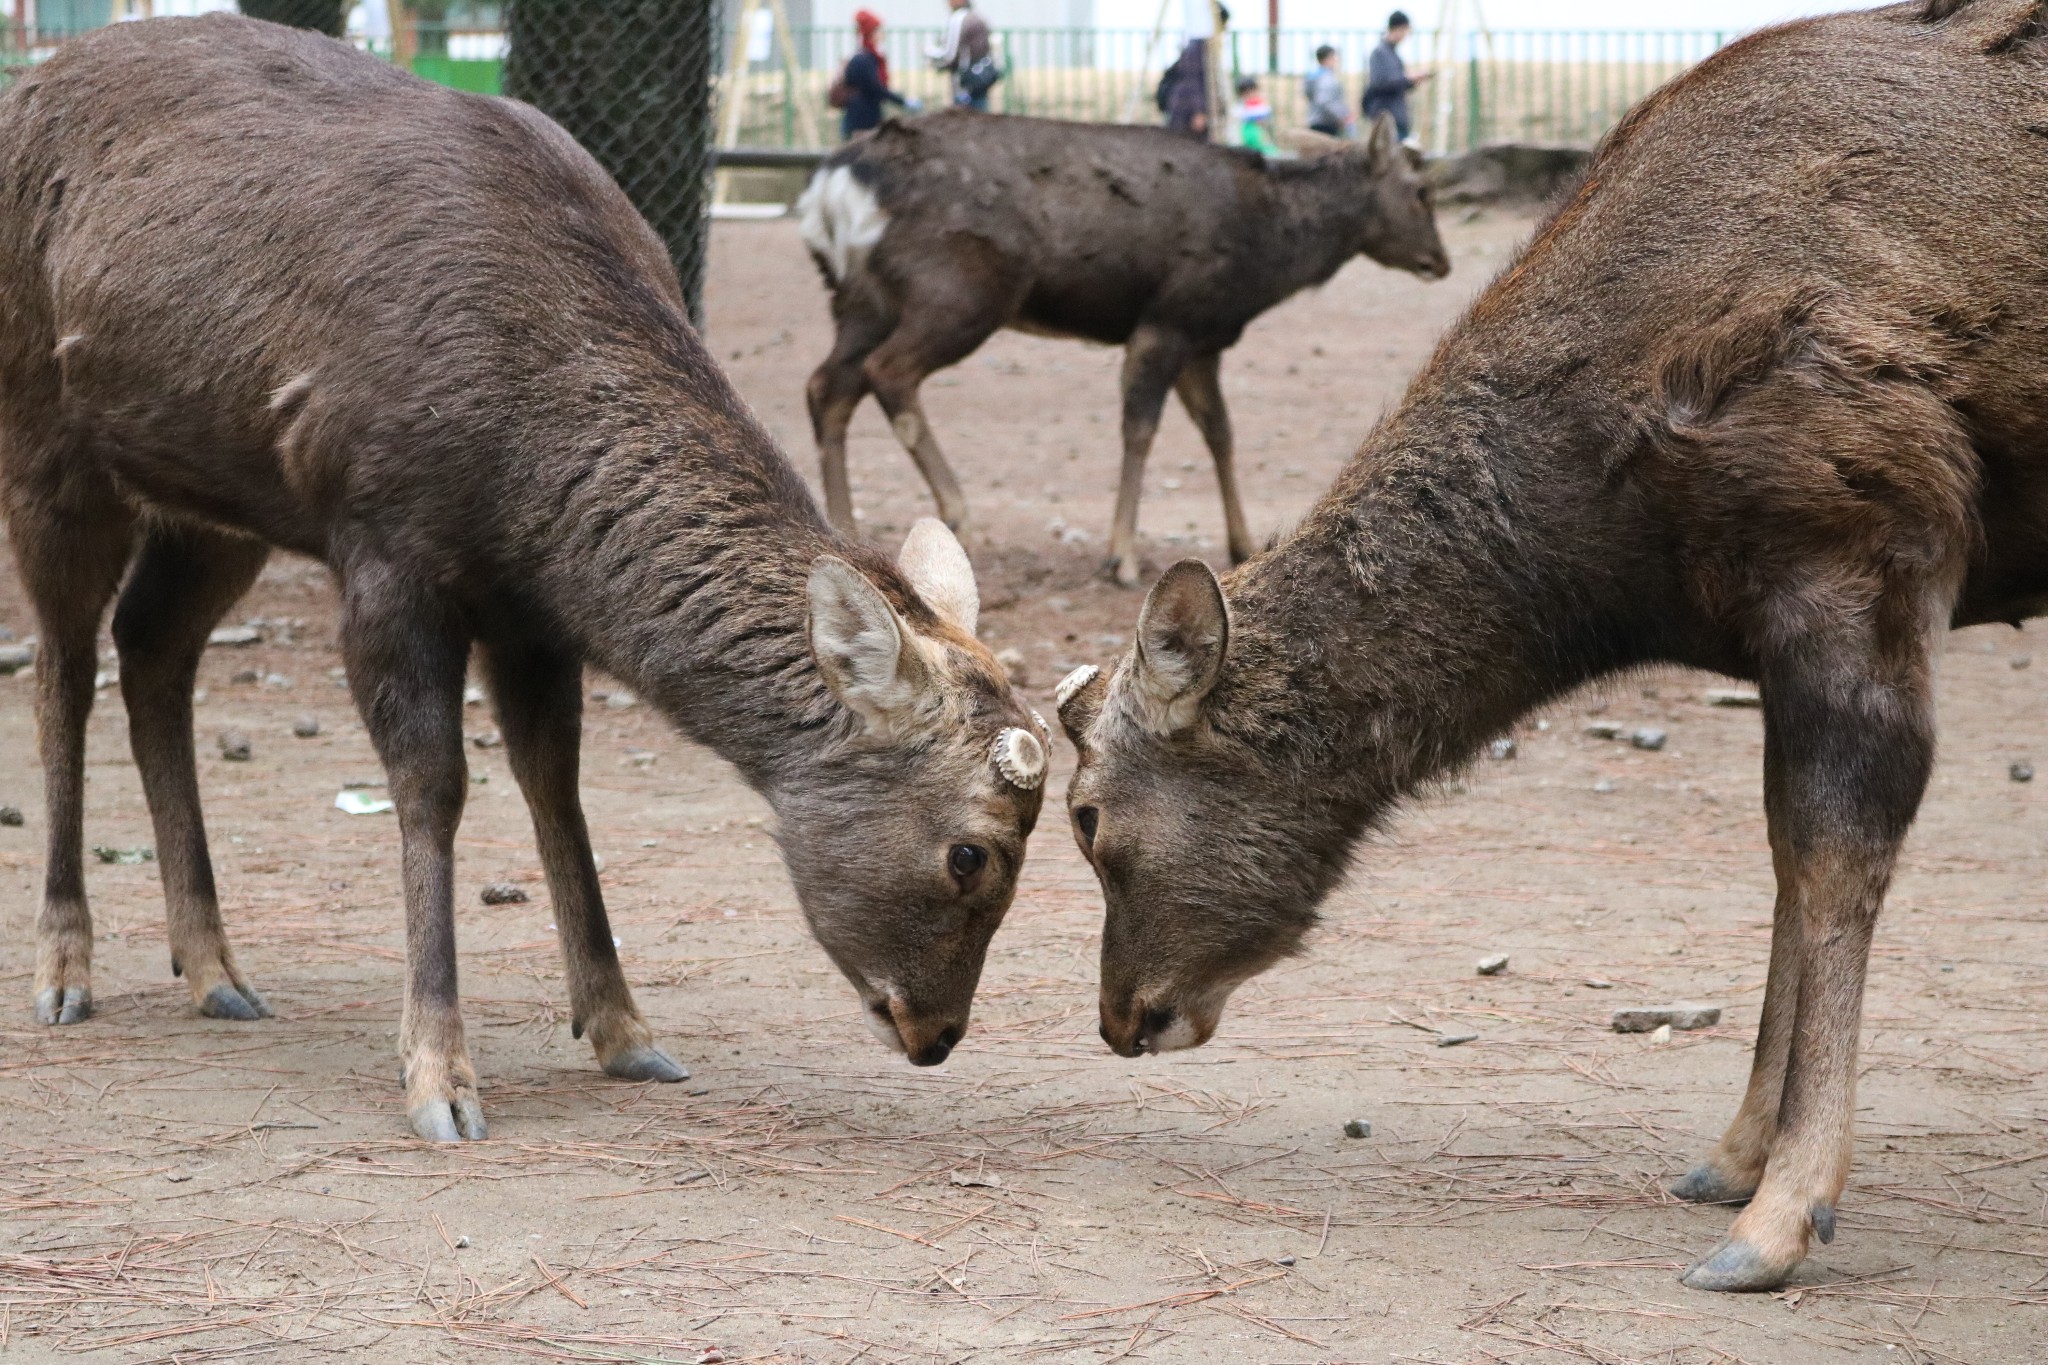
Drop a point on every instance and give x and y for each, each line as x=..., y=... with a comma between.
x=1442, y=73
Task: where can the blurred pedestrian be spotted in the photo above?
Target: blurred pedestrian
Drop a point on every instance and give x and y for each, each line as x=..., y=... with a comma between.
x=1323, y=88
x=863, y=88
x=1254, y=117
x=965, y=54
x=1184, y=87
x=1387, y=81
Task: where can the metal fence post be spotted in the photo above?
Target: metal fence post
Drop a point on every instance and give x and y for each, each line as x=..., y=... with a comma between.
x=631, y=81
x=1472, y=135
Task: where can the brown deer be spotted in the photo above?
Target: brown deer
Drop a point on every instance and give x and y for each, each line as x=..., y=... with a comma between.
x=1768, y=395
x=261, y=290
x=933, y=233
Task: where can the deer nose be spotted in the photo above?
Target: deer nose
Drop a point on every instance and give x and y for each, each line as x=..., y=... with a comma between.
x=938, y=1049
x=1134, y=1030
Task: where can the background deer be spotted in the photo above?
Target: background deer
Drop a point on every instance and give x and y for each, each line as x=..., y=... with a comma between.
x=1769, y=396
x=260, y=289
x=935, y=232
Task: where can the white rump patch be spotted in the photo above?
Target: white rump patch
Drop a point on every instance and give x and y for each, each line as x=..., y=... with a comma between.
x=841, y=220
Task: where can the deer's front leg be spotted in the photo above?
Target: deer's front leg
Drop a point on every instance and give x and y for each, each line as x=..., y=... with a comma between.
x=1849, y=743
x=406, y=652
x=539, y=697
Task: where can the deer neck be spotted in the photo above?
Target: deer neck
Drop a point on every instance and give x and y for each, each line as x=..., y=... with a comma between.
x=1319, y=220
x=680, y=545
x=1460, y=572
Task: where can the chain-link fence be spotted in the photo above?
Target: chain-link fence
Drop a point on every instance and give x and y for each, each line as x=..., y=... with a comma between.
x=631, y=81
x=322, y=16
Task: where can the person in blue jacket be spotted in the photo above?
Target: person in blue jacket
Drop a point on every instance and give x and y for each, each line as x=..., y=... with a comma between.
x=864, y=86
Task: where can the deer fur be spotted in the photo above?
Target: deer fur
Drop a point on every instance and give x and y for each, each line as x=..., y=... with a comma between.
x=933, y=233
x=1768, y=395
x=258, y=289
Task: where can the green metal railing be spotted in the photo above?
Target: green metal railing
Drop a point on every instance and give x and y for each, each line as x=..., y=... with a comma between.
x=1537, y=86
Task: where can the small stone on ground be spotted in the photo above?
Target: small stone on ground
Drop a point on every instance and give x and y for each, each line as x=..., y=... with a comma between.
x=10, y=816
x=504, y=893
x=1648, y=1018
x=1357, y=1128
x=234, y=746
x=305, y=727
x=1493, y=965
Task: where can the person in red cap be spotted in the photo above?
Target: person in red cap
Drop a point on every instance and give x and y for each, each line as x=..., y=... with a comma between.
x=862, y=90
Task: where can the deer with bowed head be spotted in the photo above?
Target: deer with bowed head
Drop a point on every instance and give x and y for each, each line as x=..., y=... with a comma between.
x=476, y=397
x=1757, y=399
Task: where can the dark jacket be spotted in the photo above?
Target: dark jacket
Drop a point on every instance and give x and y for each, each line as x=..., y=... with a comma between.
x=1387, y=86
x=865, y=95
x=1184, y=88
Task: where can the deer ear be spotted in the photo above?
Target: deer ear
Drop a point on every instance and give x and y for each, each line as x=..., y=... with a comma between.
x=1182, y=633
x=1383, y=143
x=937, y=567
x=862, y=647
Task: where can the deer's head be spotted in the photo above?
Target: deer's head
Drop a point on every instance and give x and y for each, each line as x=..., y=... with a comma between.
x=1212, y=850
x=906, y=837
x=1400, y=229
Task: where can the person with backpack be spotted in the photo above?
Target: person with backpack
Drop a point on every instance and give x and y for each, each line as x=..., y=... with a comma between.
x=863, y=87
x=966, y=54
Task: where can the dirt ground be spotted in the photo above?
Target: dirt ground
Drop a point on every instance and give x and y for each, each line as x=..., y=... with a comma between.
x=178, y=1189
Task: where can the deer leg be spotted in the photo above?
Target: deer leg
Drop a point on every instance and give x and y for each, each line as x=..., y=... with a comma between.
x=1731, y=1172
x=71, y=545
x=895, y=372
x=1201, y=393
x=1850, y=741
x=184, y=579
x=538, y=694
x=835, y=390
x=1153, y=360
x=957, y=303
x=406, y=652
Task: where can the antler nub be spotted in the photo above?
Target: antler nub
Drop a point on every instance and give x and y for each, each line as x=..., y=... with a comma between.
x=1073, y=683
x=1020, y=758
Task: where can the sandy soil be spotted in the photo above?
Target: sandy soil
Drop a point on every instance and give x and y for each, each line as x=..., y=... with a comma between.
x=176, y=1189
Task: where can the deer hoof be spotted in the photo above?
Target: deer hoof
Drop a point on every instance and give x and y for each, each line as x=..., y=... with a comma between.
x=1123, y=571
x=646, y=1064
x=71, y=1005
x=229, y=1001
x=446, y=1121
x=1704, y=1184
x=1736, y=1268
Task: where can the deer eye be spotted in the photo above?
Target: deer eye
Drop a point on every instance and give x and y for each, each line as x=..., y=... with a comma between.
x=1084, y=820
x=965, y=862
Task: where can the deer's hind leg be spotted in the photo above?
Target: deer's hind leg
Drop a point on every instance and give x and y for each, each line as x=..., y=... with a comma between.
x=956, y=303
x=1849, y=743
x=538, y=693
x=72, y=536
x=835, y=390
x=1201, y=392
x=1154, y=359
x=184, y=579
